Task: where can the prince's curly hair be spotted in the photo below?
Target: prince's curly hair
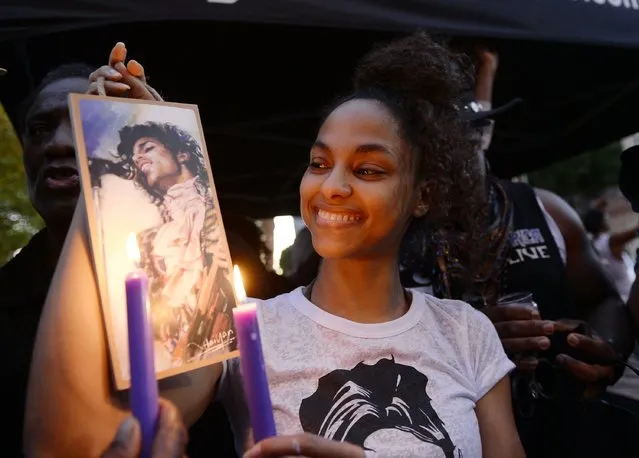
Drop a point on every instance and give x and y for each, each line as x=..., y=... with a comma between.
x=175, y=140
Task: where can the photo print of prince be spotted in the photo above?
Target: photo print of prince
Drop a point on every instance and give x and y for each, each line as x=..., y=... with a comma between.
x=150, y=177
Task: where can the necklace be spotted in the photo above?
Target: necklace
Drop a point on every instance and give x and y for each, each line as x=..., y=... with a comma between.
x=490, y=275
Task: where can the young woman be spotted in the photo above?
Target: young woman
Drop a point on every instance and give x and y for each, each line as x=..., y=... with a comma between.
x=357, y=365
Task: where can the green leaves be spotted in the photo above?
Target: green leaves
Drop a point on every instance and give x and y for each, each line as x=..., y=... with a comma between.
x=587, y=174
x=18, y=220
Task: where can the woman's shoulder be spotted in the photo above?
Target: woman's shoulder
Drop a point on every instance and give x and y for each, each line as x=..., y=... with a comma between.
x=280, y=301
x=283, y=297
x=456, y=313
x=453, y=308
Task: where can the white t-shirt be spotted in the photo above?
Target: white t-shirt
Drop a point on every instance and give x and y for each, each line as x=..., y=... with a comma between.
x=405, y=388
x=621, y=270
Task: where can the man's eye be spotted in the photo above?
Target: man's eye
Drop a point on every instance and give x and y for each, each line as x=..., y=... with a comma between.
x=40, y=129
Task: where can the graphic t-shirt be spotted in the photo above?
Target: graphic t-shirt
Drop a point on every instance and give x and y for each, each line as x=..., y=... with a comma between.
x=404, y=388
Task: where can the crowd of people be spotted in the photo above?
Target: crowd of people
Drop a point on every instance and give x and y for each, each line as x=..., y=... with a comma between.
x=389, y=336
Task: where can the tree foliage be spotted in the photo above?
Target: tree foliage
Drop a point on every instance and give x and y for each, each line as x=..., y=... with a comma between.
x=18, y=220
x=582, y=176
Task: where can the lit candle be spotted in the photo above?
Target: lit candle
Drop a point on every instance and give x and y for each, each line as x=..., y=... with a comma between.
x=143, y=395
x=252, y=366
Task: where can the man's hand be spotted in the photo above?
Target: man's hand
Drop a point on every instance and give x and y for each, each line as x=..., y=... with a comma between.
x=487, y=61
x=593, y=349
x=120, y=79
x=169, y=442
x=521, y=331
x=307, y=445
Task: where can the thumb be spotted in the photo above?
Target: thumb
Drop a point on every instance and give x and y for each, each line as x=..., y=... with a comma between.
x=127, y=442
x=171, y=438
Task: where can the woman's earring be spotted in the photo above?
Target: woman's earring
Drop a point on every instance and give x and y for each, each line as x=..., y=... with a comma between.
x=421, y=210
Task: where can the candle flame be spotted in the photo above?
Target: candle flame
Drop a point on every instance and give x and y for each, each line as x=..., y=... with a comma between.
x=132, y=249
x=240, y=293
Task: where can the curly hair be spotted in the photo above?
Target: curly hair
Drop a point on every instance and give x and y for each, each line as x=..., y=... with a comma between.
x=174, y=139
x=419, y=81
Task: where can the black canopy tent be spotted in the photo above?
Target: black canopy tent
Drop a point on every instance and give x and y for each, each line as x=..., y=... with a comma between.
x=610, y=22
x=262, y=71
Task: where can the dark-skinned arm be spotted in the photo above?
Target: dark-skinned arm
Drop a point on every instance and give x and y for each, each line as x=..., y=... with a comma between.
x=72, y=409
x=595, y=295
x=487, y=64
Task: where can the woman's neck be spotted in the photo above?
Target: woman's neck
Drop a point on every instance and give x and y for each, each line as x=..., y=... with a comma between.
x=361, y=291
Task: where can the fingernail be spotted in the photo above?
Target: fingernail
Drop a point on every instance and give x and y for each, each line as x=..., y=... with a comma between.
x=113, y=73
x=254, y=452
x=535, y=315
x=135, y=67
x=125, y=431
x=561, y=358
x=573, y=339
x=544, y=343
x=549, y=328
x=120, y=44
x=168, y=415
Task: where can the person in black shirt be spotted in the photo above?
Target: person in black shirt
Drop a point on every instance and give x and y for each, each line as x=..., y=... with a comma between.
x=54, y=188
x=535, y=242
x=53, y=185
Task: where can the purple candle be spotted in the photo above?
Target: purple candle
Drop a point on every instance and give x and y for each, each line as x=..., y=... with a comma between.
x=252, y=365
x=143, y=395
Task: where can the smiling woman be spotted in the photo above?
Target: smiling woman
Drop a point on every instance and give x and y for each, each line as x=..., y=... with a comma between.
x=355, y=191
x=396, y=157
x=392, y=156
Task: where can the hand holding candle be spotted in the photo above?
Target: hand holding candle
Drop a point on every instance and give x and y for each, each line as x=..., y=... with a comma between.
x=252, y=365
x=144, y=388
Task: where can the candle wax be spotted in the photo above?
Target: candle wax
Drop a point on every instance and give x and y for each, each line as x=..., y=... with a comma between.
x=253, y=370
x=143, y=395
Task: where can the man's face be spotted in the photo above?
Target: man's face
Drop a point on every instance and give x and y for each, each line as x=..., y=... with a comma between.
x=49, y=152
x=158, y=167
